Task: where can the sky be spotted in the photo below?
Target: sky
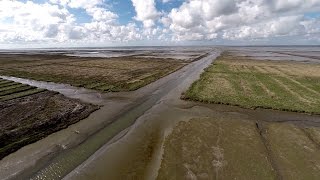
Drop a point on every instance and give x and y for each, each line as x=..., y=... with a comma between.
x=85, y=23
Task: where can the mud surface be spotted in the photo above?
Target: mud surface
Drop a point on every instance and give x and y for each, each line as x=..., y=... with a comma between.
x=243, y=144
x=183, y=53
x=306, y=54
x=28, y=119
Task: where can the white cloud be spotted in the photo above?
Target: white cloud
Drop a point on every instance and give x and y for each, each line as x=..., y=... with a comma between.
x=85, y=4
x=165, y=1
x=42, y=23
x=100, y=14
x=283, y=26
x=54, y=23
x=146, y=12
x=193, y=20
x=238, y=19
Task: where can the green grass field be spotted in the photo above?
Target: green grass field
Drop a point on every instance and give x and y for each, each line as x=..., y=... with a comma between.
x=249, y=83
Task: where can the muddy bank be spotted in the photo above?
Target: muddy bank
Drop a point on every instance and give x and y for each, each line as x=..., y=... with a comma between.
x=84, y=95
x=28, y=119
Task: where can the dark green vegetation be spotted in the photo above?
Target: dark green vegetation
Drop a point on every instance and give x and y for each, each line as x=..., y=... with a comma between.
x=11, y=90
x=249, y=83
x=209, y=148
x=112, y=74
x=28, y=114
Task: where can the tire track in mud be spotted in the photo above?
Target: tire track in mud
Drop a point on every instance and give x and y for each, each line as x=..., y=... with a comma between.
x=261, y=130
x=218, y=162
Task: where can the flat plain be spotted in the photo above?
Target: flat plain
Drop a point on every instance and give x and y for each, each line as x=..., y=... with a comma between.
x=126, y=71
x=254, y=83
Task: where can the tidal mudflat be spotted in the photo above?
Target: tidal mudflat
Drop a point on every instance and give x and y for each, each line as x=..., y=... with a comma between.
x=152, y=133
x=247, y=141
x=28, y=114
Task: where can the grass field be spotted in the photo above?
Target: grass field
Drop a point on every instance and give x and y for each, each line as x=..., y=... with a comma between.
x=28, y=114
x=12, y=90
x=249, y=83
x=112, y=74
x=208, y=148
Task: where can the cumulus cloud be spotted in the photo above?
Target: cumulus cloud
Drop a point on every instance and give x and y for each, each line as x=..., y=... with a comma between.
x=52, y=22
x=146, y=12
x=239, y=19
x=283, y=26
x=85, y=4
x=193, y=20
x=43, y=22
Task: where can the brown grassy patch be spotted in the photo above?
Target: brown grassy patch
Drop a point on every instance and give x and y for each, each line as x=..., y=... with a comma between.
x=112, y=74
